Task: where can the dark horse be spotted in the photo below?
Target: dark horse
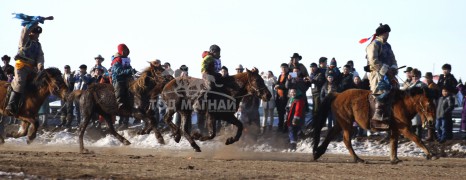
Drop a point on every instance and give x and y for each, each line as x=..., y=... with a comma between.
x=100, y=99
x=181, y=93
x=48, y=81
x=353, y=105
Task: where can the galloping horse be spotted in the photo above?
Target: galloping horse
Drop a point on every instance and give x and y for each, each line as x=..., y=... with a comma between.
x=100, y=99
x=48, y=81
x=216, y=106
x=353, y=105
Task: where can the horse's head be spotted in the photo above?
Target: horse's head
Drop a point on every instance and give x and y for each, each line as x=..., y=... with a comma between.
x=256, y=85
x=51, y=79
x=424, y=104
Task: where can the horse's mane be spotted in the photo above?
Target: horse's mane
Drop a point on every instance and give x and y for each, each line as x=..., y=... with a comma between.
x=413, y=91
x=41, y=79
x=139, y=84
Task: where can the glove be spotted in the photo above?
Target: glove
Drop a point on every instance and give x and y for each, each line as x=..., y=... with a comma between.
x=295, y=121
x=383, y=70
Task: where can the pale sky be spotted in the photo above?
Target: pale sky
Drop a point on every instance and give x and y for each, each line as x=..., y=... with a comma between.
x=425, y=34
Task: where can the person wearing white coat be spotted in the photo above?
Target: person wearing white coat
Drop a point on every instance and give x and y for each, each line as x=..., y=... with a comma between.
x=268, y=106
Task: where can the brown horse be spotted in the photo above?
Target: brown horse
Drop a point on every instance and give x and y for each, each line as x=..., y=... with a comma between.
x=180, y=94
x=48, y=81
x=100, y=99
x=353, y=105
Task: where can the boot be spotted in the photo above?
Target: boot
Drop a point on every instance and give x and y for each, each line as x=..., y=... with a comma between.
x=381, y=118
x=12, y=107
x=293, y=146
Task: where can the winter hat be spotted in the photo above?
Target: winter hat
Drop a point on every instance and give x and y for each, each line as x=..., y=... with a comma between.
x=333, y=62
x=382, y=29
x=205, y=53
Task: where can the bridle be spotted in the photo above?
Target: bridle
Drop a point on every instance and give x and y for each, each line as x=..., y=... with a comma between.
x=423, y=109
x=256, y=90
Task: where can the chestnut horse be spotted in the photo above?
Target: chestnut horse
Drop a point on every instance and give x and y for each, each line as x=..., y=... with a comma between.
x=181, y=93
x=353, y=105
x=100, y=99
x=48, y=81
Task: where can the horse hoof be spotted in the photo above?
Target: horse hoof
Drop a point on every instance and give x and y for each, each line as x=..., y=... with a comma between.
x=230, y=140
x=196, y=136
x=84, y=151
x=359, y=160
x=197, y=150
x=177, y=138
x=161, y=141
x=126, y=142
x=429, y=157
x=396, y=161
x=316, y=155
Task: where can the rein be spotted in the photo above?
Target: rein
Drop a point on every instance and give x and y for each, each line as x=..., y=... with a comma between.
x=423, y=109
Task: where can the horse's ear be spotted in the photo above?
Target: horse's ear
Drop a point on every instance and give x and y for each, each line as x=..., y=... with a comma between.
x=247, y=70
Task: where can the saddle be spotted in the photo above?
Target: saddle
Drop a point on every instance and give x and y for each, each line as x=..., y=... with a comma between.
x=374, y=124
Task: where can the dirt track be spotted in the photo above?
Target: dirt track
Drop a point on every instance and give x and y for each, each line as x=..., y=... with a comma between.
x=38, y=161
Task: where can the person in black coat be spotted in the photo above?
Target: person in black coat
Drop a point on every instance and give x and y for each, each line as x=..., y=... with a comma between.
x=447, y=80
x=282, y=95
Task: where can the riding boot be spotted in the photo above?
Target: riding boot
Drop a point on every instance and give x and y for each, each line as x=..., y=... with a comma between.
x=12, y=107
x=381, y=118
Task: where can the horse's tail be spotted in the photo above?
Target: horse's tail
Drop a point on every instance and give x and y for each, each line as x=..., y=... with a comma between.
x=73, y=96
x=319, y=121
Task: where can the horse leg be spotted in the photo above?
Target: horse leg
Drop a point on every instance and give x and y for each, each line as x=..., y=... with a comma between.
x=22, y=131
x=82, y=128
x=108, y=119
x=153, y=126
x=175, y=129
x=32, y=130
x=349, y=146
x=408, y=134
x=186, y=124
x=394, y=147
x=211, y=127
x=233, y=120
x=323, y=147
